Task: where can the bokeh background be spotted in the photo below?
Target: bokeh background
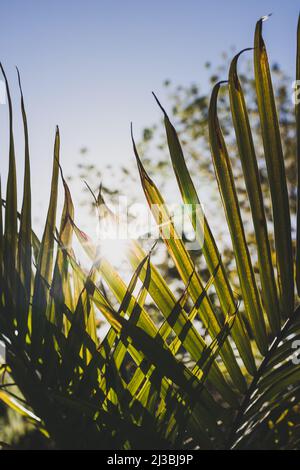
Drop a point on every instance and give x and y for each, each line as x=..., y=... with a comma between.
x=89, y=66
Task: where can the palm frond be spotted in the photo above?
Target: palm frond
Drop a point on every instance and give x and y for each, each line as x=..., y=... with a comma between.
x=153, y=383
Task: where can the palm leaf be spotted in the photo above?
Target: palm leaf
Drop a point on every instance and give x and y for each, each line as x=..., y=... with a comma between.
x=148, y=382
x=297, y=111
x=251, y=175
x=205, y=236
x=276, y=172
x=24, y=242
x=226, y=184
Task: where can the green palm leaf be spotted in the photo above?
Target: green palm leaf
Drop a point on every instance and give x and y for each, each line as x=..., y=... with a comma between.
x=276, y=172
x=156, y=380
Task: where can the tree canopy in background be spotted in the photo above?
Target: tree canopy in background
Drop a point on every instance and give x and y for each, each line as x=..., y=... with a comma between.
x=188, y=106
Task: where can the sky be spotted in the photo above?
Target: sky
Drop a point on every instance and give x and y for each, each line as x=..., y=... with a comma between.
x=90, y=66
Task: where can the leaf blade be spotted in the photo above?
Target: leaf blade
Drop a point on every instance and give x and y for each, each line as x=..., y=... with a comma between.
x=209, y=247
x=250, y=169
x=276, y=172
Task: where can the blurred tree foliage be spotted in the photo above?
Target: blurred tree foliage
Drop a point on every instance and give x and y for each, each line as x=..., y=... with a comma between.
x=187, y=106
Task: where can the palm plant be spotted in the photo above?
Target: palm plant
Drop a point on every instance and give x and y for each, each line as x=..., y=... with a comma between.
x=149, y=384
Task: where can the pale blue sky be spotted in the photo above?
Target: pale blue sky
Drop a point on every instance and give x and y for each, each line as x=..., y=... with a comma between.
x=90, y=65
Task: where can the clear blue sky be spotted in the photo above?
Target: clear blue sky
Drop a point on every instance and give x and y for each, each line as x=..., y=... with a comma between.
x=90, y=65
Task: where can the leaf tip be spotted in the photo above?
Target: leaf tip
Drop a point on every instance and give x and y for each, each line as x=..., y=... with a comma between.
x=159, y=104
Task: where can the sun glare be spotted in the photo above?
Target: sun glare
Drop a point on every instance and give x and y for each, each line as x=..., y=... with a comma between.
x=113, y=249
